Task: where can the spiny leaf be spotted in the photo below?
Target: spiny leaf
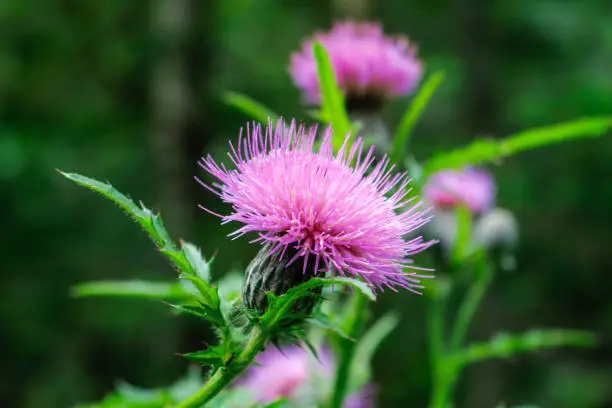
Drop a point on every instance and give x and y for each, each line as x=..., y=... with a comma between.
x=333, y=108
x=507, y=345
x=188, y=259
x=208, y=293
x=412, y=115
x=314, y=282
x=215, y=356
x=482, y=151
x=166, y=291
x=197, y=261
x=202, y=311
x=142, y=215
x=280, y=307
x=151, y=222
x=250, y=106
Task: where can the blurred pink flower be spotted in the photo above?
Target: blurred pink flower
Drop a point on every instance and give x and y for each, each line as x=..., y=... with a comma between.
x=366, y=62
x=351, y=220
x=472, y=187
x=294, y=373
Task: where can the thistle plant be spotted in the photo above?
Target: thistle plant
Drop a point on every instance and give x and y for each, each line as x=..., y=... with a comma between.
x=332, y=211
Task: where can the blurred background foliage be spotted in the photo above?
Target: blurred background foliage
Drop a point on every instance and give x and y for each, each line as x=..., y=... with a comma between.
x=131, y=92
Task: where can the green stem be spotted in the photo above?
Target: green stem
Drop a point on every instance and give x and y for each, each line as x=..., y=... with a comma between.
x=470, y=304
x=222, y=377
x=440, y=391
x=353, y=326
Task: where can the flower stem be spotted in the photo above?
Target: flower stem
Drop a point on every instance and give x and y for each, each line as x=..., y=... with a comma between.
x=440, y=392
x=353, y=326
x=471, y=302
x=223, y=376
x=445, y=370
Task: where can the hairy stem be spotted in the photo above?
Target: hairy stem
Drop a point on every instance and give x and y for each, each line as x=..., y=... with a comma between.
x=224, y=376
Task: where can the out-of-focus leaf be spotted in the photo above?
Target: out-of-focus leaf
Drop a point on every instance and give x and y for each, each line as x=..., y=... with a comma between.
x=281, y=403
x=507, y=345
x=250, y=107
x=364, y=352
x=324, y=322
x=482, y=151
x=333, y=108
x=412, y=115
x=166, y=291
x=130, y=396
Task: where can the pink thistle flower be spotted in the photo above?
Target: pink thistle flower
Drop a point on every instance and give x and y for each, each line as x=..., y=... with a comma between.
x=351, y=220
x=366, y=62
x=295, y=374
x=472, y=187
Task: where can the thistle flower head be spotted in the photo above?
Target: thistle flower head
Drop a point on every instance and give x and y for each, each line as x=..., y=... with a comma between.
x=368, y=64
x=472, y=187
x=338, y=212
x=295, y=374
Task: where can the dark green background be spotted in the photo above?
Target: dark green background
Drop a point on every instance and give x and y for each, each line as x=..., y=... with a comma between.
x=78, y=86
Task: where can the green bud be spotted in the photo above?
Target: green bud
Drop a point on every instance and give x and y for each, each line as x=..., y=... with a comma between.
x=270, y=273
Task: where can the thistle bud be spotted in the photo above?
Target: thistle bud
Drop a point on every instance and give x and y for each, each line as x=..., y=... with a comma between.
x=269, y=272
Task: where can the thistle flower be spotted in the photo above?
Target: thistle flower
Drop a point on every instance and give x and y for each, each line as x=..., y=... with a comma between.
x=370, y=67
x=295, y=374
x=313, y=207
x=472, y=187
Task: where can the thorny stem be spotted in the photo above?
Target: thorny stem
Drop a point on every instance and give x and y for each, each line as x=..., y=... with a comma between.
x=353, y=327
x=223, y=376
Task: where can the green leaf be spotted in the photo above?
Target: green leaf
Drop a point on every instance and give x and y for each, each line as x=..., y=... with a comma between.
x=166, y=291
x=130, y=396
x=188, y=259
x=151, y=222
x=360, y=371
x=281, y=403
x=208, y=293
x=507, y=345
x=141, y=215
x=250, y=107
x=482, y=151
x=279, y=307
x=197, y=261
x=302, y=289
x=215, y=356
x=202, y=311
x=131, y=393
x=412, y=115
x=333, y=108
x=323, y=321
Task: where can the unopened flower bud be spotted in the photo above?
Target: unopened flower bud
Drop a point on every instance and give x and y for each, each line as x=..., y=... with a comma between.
x=496, y=228
x=270, y=271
